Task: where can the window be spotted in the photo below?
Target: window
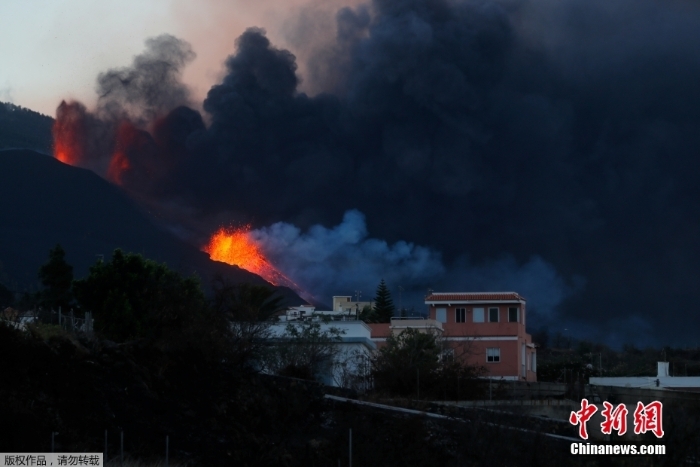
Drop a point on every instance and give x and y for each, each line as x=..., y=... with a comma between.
x=493, y=315
x=441, y=315
x=461, y=315
x=447, y=355
x=513, y=315
x=533, y=363
x=478, y=315
x=493, y=355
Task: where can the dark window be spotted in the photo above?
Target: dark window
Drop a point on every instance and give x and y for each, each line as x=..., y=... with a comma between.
x=448, y=355
x=461, y=315
x=513, y=315
x=493, y=315
x=493, y=355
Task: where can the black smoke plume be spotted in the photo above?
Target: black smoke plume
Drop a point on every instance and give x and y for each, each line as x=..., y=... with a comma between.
x=504, y=135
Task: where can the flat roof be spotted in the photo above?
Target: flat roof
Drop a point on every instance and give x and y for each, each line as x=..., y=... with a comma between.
x=473, y=296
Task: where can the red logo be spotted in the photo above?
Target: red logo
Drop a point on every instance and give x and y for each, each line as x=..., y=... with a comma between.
x=582, y=416
x=646, y=418
x=614, y=419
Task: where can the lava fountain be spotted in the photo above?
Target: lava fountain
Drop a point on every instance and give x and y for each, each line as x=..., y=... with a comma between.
x=68, y=132
x=238, y=248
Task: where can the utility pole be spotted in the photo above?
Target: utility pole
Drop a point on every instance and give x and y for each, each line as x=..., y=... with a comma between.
x=358, y=295
x=400, y=300
x=418, y=383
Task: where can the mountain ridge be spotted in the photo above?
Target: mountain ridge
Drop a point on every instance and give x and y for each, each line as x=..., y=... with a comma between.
x=45, y=202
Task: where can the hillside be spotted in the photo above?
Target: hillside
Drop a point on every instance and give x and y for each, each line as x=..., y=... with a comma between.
x=24, y=128
x=44, y=202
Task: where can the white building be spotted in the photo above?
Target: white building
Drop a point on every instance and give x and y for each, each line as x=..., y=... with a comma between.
x=346, y=304
x=351, y=359
x=662, y=380
x=310, y=313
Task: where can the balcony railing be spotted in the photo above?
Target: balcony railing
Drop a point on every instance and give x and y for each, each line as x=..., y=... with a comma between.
x=422, y=324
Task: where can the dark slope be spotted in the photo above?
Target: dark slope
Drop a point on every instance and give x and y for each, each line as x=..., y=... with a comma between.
x=24, y=128
x=44, y=202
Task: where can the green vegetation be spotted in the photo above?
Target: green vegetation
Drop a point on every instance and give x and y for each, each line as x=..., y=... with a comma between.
x=565, y=359
x=246, y=302
x=57, y=277
x=418, y=364
x=48, y=332
x=305, y=351
x=368, y=315
x=132, y=297
x=383, y=304
x=7, y=297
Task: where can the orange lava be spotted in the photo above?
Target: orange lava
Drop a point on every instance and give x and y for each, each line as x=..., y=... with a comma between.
x=69, y=133
x=126, y=136
x=237, y=247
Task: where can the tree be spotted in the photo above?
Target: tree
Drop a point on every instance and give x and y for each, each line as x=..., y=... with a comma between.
x=133, y=297
x=404, y=360
x=246, y=302
x=56, y=276
x=383, y=304
x=368, y=315
x=421, y=363
x=249, y=311
x=7, y=297
x=305, y=350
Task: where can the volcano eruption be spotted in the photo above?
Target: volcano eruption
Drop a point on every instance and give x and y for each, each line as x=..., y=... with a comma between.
x=484, y=145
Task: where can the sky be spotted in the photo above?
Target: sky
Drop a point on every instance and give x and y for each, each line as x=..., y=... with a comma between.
x=53, y=49
x=549, y=147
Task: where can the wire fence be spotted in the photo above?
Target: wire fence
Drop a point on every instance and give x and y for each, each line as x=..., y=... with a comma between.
x=67, y=321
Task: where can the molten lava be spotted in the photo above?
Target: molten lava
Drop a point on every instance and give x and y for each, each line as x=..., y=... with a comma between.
x=69, y=133
x=119, y=164
x=237, y=247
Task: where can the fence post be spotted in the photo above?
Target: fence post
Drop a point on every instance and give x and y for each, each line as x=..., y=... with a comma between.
x=418, y=383
x=167, y=442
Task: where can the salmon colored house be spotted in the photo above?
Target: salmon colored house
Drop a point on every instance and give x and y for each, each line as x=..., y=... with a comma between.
x=481, y=328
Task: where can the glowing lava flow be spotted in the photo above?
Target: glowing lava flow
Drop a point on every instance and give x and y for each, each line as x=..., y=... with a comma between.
x=236, y=247
x=68, y=133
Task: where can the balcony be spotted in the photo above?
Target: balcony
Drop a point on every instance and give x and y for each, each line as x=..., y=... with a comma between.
x=398, y=325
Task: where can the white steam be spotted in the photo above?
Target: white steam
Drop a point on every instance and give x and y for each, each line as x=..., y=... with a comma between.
x=342, y=259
